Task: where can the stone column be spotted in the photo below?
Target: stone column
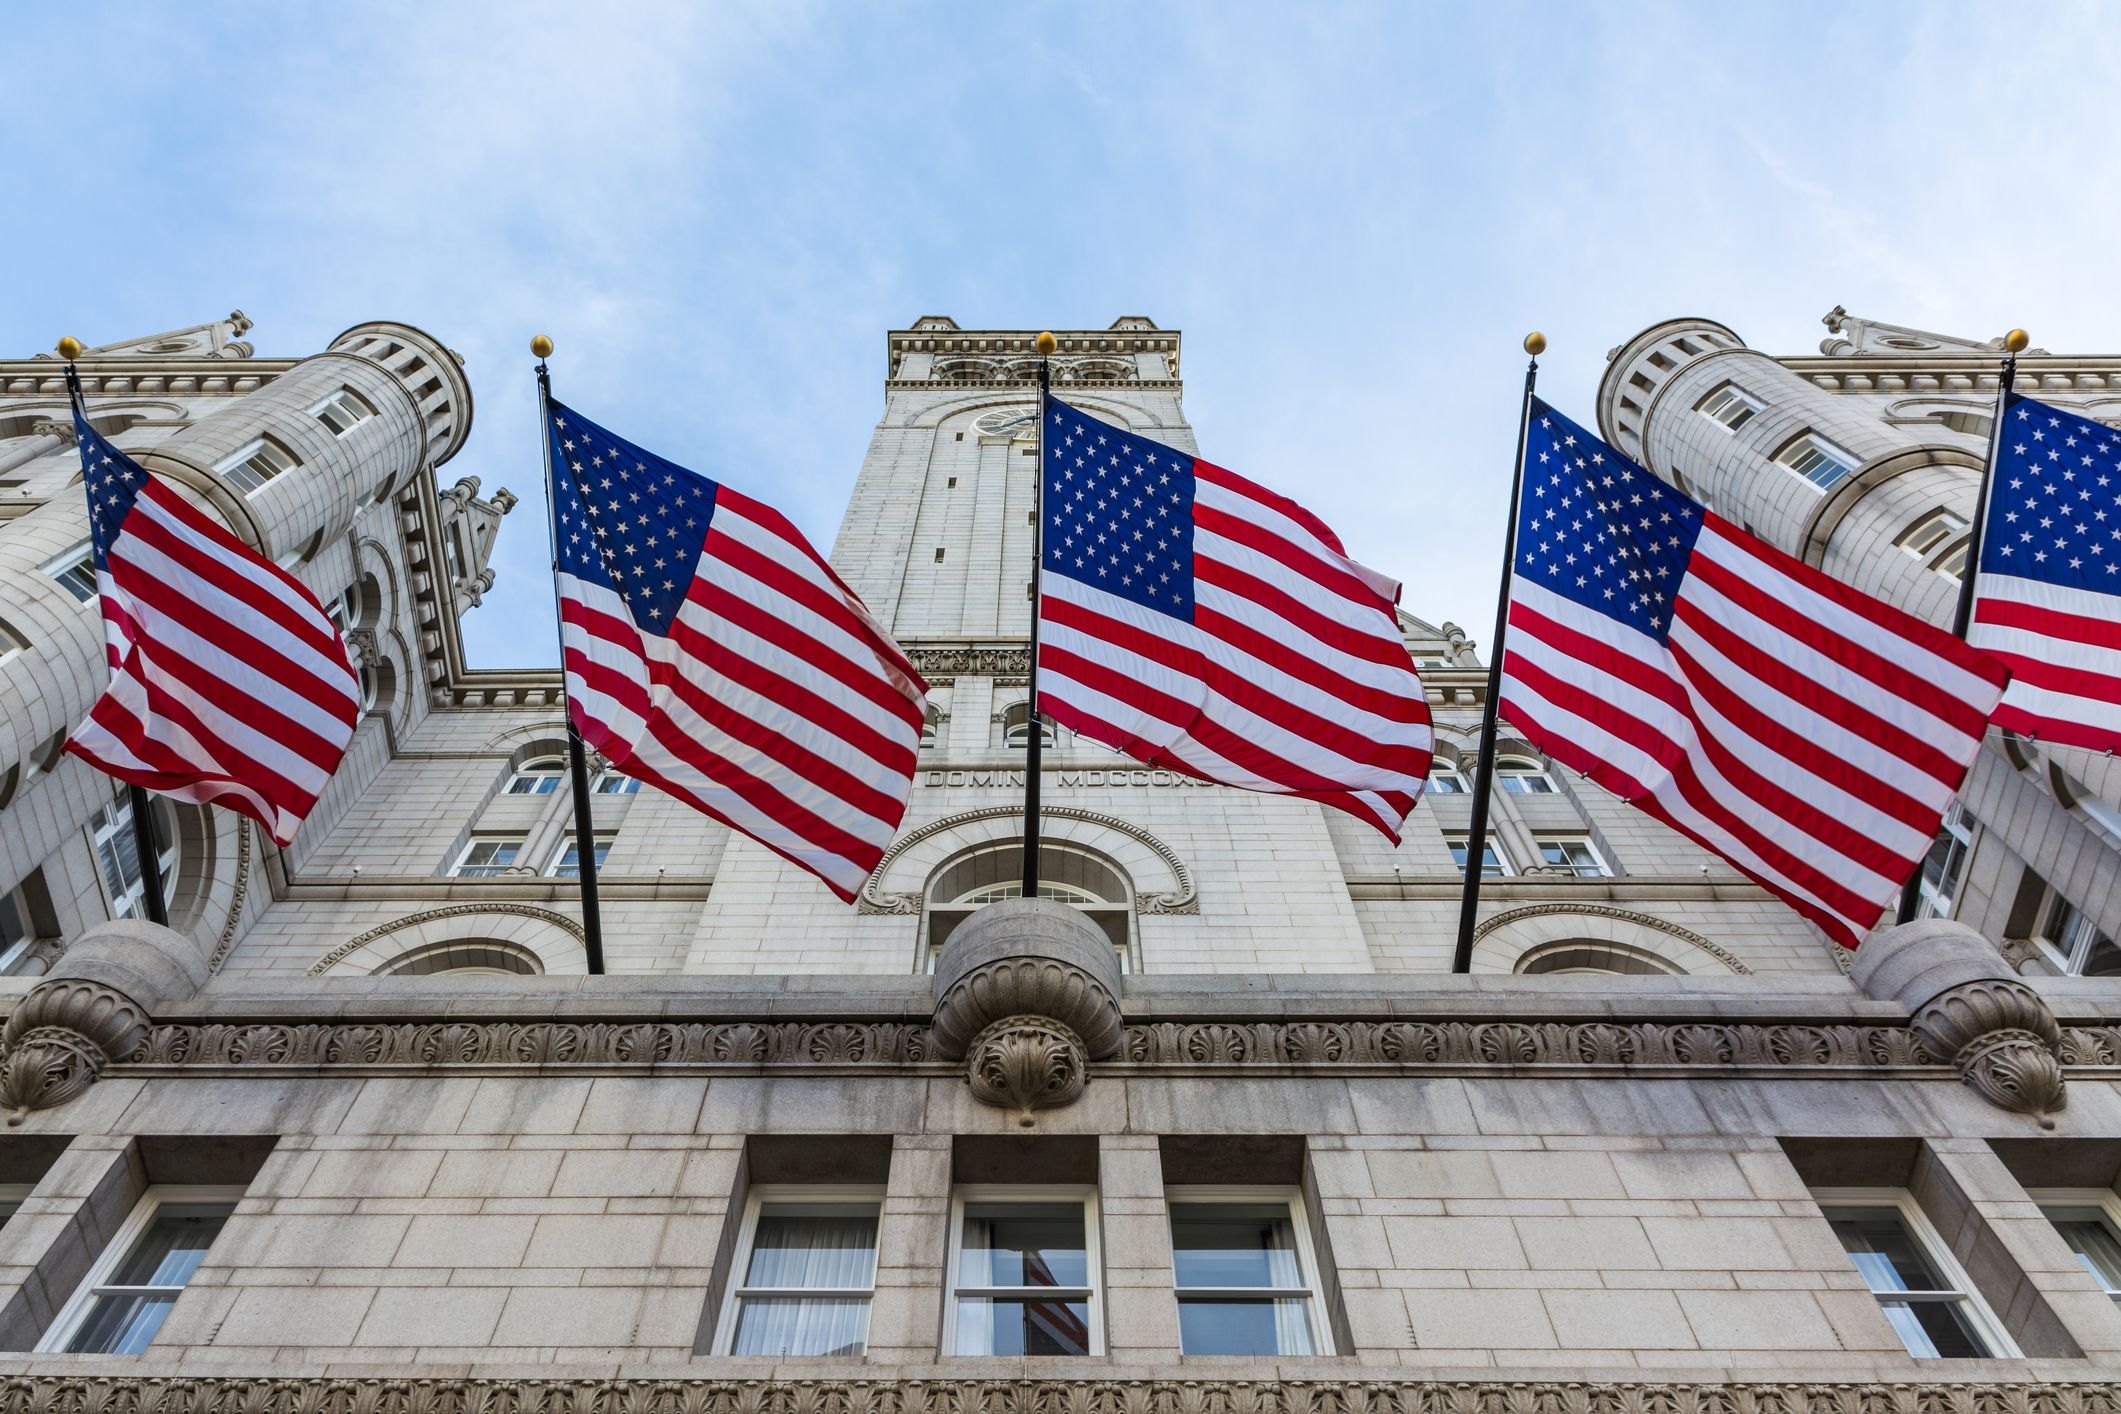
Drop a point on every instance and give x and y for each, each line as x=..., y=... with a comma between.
x=1141, y=1300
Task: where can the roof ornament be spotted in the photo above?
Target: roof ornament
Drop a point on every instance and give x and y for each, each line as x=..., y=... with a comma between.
x=1871, y=338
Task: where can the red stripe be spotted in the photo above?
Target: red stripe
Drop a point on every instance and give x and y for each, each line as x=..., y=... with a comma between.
x=1925, y=636
x=1180, y=658
x=1888, y=677
x=161, y=704
x=756, y=792
x=1410, y=706
x=760, y=514
x=283, y=602
x=238, y=707
x=2053, y=731
x=866, y=679
x=826, y=775
x=2060, y=677
x=1370, y=647
x=1589, y=705
x=1611, y=661
x=1332, y=578
x=2050, y=623
x=1231, y=481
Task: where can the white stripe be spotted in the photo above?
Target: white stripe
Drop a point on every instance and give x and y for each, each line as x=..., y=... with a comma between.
x=1261, y=619
x=2045, y=648
x=2056, y=598
x=1267, y=517
x=243, y=565
x=2064, y=707
x=858, y=651
x=1371, y=619
x=111, y=754
x=773, y=658
x=232, y=735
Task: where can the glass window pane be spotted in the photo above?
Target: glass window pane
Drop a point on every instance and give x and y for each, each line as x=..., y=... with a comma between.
x=1018, y=1326
x=2093, y=1241
x=1023, y=1244
x=1882, y=1248
x=121, y=1325
x=173, y=1246
x=795, y=1325
x=1234, y=1244
x=1270, y=1327
x=1934, y=1329
x=814, y=1247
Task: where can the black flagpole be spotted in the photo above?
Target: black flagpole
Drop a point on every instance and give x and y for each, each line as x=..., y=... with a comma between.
x=138, y=800
x=1034, y=742
x=1484, y=776
x=1963, y=612
x=585, y=842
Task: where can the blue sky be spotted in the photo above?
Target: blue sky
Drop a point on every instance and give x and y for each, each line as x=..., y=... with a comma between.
x=1353, y=213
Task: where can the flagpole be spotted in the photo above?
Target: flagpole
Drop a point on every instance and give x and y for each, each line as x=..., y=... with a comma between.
x=1035, y=739
x=141, y=804
x=1484, y=775
x=585, y=844
x=1963, y=611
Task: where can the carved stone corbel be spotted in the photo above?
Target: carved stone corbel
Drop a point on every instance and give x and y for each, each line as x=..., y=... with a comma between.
x=60, y=1037
x=1968, y=1007
x=1027, y=993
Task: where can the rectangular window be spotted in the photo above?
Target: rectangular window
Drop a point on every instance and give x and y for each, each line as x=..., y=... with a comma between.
x=1817, y=461
x=76, y=572
x=1573, y=853
x=2089, y=1220
x=567, y=861
x=486, y=858
x=1446, y=780
x=128, y=1293
x=1494, y=864
x=11, y=643
x=117, y=850
x=342, y=411
x=257, y=463
x=1923, y=1293
x=1946, y=862
x=1729, y=407
x=806, y=1265
x=1247, y=1281
x=1926, y=534
x=2076, y=941
x=1024, y=1273
x=938, y=554
x=612, y=783
x=1951, y=561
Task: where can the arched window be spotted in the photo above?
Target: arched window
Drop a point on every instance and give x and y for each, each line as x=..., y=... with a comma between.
x=1066, y=874
x=464, y=957
x=1016, y=726
x=1590, y=955
x=118, y=854
x=1520, y=775
x=540, y=775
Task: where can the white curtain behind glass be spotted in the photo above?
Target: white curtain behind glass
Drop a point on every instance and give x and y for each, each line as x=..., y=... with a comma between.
x=794, y=1250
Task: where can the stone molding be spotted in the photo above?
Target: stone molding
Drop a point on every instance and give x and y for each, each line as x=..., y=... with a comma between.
x=1026, y=1063
x=1618, y=915
x=234, y=920
x=1182, y=899
x=59, y=1038
x=970, y=662
x=411, y=1393
x=347, y=949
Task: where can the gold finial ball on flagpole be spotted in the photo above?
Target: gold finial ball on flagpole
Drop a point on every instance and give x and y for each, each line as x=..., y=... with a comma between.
x=1535, y=343
x=541, y=346
x=1047, y=343
x=69, y=348
x=2016, y=340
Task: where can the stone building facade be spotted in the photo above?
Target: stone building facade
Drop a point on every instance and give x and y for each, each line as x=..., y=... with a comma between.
x=1206, y=1129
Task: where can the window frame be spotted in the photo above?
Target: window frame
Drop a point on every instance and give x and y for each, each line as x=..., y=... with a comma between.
x=1959, y=823
x=2104, y=1200
x=1604, y=866
x=1444, y=771
x=2078, y=952
x=338, y=399
x=1307, y=1263
x=1504, y=866
x=1810, y=439
x=94, y=1285
x=76, y=560
x=599, y=840
x=250, y=482
x=821, y=1195
x=500, y=870
x=1522, y=768
x=133, y=902
x=523, y=772
x=1933, y=1247
x=1093, y=1260
x=627, y=785
x=1731, y=394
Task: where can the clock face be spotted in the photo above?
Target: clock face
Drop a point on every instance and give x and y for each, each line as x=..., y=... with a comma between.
x=1020, y=423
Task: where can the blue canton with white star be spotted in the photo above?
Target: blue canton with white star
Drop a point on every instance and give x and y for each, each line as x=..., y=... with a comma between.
x=2055, y=500
x=113, y=481
x=626, y=518
x=1597, y=529
x=1118, y=511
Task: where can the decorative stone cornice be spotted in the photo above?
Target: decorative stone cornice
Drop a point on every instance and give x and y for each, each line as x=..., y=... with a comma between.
x=970, y=662
x=112, y=1392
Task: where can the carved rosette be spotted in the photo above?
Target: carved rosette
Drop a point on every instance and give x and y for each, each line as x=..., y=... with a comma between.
x=59, y=1039
x=1027, y=1063
x=2002, y=1039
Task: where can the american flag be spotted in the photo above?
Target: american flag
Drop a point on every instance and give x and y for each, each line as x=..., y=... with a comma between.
x=228, y=683
x=712, y=653
x=1809, y=734
x=1198, y=622
x=2048, y=593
